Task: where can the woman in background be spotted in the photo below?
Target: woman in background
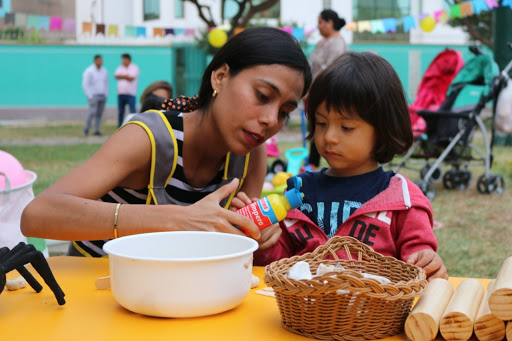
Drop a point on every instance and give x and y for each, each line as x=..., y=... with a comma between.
x=326, y=51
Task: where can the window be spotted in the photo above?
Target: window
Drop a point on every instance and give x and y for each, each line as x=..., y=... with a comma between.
x=179, y=10
x=151, y=9
x=381, y=9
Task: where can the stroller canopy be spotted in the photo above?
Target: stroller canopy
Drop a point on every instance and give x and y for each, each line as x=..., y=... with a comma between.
x=479, y=71
x=436, y=80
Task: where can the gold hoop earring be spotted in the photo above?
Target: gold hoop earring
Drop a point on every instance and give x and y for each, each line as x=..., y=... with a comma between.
x=214, y=93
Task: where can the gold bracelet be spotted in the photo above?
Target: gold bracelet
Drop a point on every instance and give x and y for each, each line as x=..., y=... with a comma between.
x=115, y=219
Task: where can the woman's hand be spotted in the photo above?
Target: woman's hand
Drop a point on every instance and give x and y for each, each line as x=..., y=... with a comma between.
x=208, y=215
x=429, y=261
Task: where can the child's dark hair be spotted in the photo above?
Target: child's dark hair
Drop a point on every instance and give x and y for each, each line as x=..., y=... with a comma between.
x=367, y=86
x=329, y=14
x=256, y=46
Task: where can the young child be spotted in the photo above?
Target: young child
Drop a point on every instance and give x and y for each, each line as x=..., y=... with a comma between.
x=359, y=119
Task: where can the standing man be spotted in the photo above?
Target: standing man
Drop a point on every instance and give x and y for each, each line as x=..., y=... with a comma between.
x=95, y=85
x=127, y=75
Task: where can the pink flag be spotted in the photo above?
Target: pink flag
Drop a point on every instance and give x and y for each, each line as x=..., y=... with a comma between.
x=56, y=24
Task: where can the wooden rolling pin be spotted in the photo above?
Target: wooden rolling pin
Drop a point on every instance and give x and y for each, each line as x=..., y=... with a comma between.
x=500, y=300
x=459, y=315
x=509, y=330
x=487, y=326
x=422, y=324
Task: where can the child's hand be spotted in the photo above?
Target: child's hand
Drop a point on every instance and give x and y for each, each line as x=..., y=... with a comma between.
x=240, y=201
x=429, y=261
x=269, y=236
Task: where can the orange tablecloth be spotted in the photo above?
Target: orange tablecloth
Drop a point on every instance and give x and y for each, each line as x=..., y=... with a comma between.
x=91, y=314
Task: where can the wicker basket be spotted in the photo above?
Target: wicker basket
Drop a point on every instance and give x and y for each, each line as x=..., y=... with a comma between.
x=363, y=309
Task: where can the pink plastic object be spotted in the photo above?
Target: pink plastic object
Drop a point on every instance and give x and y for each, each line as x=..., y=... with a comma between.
x=12, y=167
x=272, y=148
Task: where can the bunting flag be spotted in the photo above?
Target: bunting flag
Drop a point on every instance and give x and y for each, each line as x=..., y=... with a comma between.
x=377, y=26
x=298, y=33
x=444, y=17
x=308, y=30
x=389, y=25
x=190, y=31
x=408, y=23
x=69, y=25
x=158, y=32
x=44, y=23
x=179, y=31
x=364, y=26
x=32, y=21
x=437, y=14
x=87, y=28
x=20, y=19
x=130, y=31
x=56, y=24
x=112, y=30
x=287, y=29
x=455, y=11
x=491, y=4
x=238, y=30
x=507, y=3
x=351, y=26
x=466, y=9
x=100, y=29
x=168, y=31
x=140, y=31
x=479, y=6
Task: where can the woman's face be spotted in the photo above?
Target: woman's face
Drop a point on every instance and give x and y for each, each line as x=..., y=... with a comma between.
x=253, y=105
x=324, y=27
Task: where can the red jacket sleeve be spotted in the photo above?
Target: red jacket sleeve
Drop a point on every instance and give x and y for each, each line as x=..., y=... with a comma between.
x=415, y=232
x=284, y=248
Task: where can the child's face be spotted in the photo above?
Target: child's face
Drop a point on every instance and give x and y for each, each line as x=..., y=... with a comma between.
x=345, y=142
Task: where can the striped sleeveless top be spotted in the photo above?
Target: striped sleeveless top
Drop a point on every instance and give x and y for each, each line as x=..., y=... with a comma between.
x=168, y=184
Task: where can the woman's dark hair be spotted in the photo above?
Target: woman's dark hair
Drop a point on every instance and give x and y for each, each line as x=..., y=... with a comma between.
x=154, y=86
x=329, y=14
x=255, y=46
x=366, y=86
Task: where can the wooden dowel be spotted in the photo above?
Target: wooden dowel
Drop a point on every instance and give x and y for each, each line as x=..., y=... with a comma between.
x=509, y=331
x=422, y=324
x=487, y=326
x=459, y=315
x=500, y=301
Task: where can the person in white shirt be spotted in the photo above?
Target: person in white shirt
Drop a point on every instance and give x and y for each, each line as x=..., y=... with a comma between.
x=95, y=85
x=127, y=75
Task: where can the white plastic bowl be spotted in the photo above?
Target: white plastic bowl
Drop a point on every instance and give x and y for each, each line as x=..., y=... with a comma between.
x=180, y=274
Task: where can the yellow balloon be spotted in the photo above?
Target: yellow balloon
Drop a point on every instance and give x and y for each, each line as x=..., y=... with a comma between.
x=428, y=24
x=217, y=37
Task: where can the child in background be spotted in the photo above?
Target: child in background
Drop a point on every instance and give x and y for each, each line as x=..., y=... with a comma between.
x=359, y=119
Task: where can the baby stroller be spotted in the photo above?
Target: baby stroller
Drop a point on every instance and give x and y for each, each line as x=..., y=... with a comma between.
x=450, y=129
x=434, y=85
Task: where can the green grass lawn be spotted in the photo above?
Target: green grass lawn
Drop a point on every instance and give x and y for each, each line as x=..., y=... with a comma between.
x=474, y=240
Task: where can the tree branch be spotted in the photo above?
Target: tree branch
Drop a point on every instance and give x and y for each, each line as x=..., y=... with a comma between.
x=255, y=9
x=475, y=34
x=203, y=17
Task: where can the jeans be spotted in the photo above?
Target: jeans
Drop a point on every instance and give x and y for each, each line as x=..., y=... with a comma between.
x=122, y=101
x=96, y=107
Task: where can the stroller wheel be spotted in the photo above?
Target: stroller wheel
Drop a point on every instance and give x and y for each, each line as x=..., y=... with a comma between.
x=278, y=166
x=427, y=188
x=495, y=183
x=449, y=179
x=463, y=180
x=436, y=175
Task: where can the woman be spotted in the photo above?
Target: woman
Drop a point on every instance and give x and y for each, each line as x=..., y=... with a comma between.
x=154, y=95
x=251, y=85
x=326, y=51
